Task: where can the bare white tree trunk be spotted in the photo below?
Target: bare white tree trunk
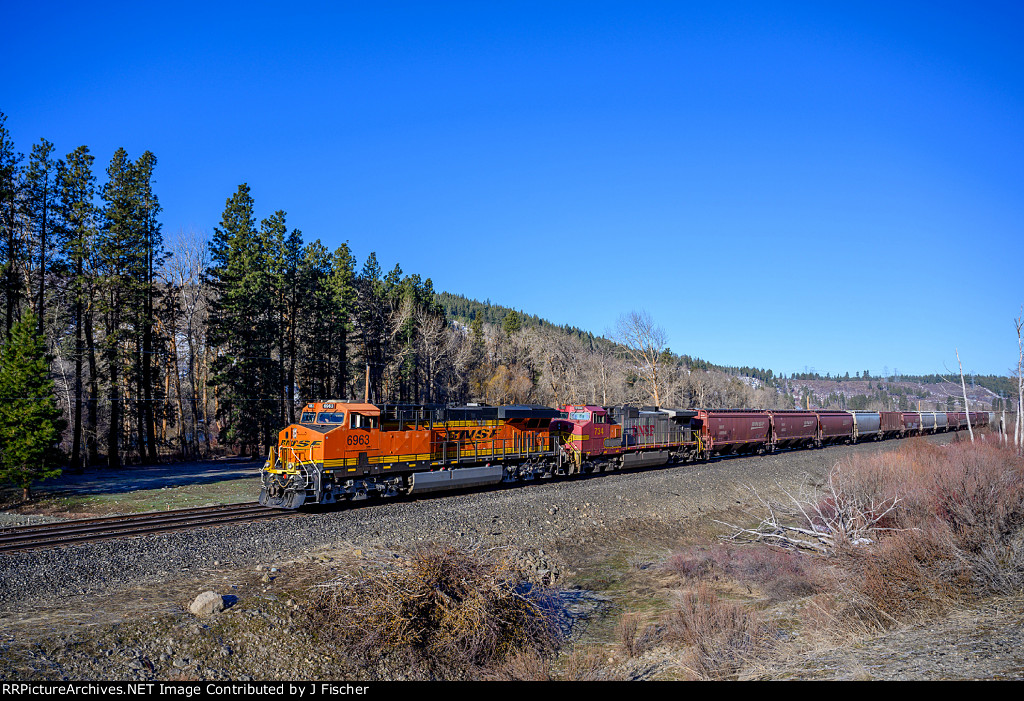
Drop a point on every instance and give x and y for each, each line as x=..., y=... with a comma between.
x=963, y=385
x=1018, y=434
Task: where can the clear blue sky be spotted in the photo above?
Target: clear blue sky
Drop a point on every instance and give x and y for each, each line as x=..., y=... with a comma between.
x=787, y=185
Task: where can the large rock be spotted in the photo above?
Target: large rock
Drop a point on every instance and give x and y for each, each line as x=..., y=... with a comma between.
x=207, y=604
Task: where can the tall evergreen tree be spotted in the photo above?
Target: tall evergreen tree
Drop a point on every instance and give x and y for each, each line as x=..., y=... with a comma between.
x=30, y=422
x=77, y=231
x=342, y=291
x=37, y=205
x=292, y=290
x=12, y=246
x=153, y=254
x=371, y=318
x=244, y=368
x=273, y=234
x=316, y=339
x=122, y=254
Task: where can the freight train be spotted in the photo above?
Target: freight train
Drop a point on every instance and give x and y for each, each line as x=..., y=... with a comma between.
x=342, y=451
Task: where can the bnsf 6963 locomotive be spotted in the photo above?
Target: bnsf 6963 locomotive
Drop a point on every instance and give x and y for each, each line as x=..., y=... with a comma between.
x=343, y=450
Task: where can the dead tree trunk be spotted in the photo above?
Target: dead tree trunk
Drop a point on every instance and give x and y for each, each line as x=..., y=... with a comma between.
x=1018, y=434
x=963, y=385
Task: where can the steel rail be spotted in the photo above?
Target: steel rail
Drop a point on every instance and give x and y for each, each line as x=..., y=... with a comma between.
x=124, y=518
x=86, y=530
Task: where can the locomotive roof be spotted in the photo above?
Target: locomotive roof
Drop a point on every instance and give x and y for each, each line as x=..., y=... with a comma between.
x=360, y=407
x=528, y=411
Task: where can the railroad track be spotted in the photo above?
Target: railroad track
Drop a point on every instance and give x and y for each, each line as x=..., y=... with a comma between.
x=60, y=533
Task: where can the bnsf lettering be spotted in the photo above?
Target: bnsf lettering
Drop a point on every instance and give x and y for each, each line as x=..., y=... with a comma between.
x=643, y=430
x=299, y=444
x=475, y=434
x=481, y=434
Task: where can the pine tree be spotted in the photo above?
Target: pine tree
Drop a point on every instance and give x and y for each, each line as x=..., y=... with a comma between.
x=77, y=231
x=147, y=208
x=371, y=317
x=30, y=422
x=12, y=246
x=342, y=290
x=37, y=208
x=512, y=323
x=315, y=337
x=273, y=233
x=240, y=326
x=118, y=248
x=292, y=288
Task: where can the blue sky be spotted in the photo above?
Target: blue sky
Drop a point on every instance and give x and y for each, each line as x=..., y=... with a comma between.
x=786, y=185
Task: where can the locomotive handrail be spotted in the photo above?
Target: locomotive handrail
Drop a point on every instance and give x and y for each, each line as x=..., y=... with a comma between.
x=305, y=471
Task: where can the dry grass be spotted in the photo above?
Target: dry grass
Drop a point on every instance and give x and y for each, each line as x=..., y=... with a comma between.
x=778, y=574
x=440, y=613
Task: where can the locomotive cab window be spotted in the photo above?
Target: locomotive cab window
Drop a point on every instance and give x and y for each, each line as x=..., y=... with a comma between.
x=308, y=417
x=360, y=421
x=335, y=418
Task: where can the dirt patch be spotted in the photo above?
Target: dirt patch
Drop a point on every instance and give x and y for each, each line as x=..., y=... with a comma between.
x=985, y=642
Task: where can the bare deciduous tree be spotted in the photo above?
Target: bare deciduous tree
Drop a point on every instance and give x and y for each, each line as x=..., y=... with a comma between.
x=645, y=342
x=184, y=274
x=564, y=370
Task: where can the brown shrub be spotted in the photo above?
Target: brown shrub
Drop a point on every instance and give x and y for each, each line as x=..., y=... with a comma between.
x=904, y=577
x=635, y=634
x=628, y=632
x=441, y=613
x=719, y=635
x=956, y=534
x=523, y=666
x=692, y=563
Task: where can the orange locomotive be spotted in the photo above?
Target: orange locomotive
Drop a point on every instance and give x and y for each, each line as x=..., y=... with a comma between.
x=345, y=450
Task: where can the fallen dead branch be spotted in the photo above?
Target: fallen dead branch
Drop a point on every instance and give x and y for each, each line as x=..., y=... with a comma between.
x=822, y=521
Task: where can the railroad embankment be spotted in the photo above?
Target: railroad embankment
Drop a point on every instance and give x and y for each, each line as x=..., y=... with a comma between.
x=641, y=584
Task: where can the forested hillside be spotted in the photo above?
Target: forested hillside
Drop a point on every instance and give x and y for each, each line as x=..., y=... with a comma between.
x=168, y=343
x=179, y=344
